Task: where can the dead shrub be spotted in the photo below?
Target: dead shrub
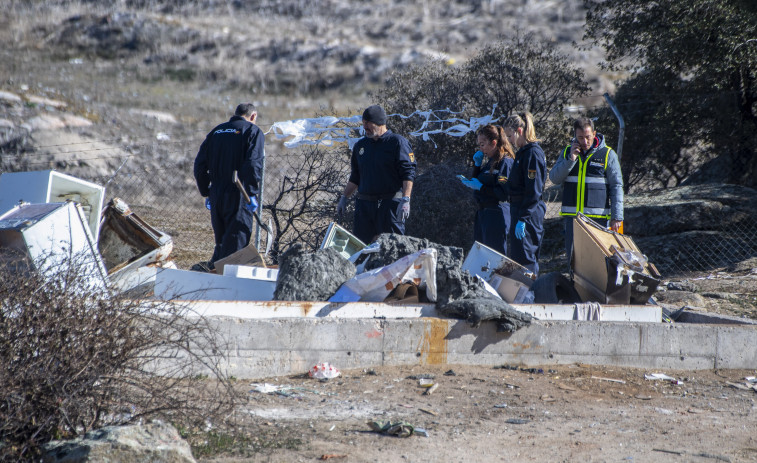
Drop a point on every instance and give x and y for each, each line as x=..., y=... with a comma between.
x=76, y=357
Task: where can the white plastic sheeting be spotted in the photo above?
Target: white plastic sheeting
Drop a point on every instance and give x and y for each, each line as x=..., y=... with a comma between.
x=329, y=129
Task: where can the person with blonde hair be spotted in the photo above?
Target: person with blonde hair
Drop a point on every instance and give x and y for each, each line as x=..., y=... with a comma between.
x=525, y=187
x=492, y=164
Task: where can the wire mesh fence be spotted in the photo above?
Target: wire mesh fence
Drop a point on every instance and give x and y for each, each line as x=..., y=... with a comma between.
x=682, y=230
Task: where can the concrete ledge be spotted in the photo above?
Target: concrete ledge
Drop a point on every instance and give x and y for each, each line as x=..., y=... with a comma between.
x=259, y=348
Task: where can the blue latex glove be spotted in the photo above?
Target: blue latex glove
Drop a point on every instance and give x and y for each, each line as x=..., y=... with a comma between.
x=520, y=230
x=473, y=183
x=253, y=206
x=403, y=209
x=478, y=158
x=207, y=203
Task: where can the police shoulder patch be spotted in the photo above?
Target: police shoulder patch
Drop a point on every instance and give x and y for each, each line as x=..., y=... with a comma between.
x=362, y=150
x=502, y=179
x=531, y=174
x=412, y=157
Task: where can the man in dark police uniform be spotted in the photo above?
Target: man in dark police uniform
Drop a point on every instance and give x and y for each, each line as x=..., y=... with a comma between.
x=383, y=170
x=236, y=145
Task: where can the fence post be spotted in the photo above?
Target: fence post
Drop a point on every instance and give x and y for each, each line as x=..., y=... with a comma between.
x=622, y=129
x=260, y=204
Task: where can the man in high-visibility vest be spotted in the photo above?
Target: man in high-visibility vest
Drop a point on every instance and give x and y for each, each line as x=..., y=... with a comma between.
x=589, y=172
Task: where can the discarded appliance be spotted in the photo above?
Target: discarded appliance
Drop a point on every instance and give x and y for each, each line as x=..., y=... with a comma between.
x=608, y=267
x=51, y=237
x=257, y=284
x=126, y=242
x=345, y=242
x=248, y=256
x=49, y=186
x=509, y=279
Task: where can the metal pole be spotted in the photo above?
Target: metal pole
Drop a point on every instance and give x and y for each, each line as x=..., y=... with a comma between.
x=622, y=130
x=260, y=204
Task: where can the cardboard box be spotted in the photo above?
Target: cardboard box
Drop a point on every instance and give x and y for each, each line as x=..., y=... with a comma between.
x=511, y=289
x=247, y=256
x=608, y=267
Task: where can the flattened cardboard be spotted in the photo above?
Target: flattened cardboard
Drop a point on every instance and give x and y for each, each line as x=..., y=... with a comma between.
x=248, y=256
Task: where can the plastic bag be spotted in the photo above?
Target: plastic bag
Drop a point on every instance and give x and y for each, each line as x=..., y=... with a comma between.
x=323, y=371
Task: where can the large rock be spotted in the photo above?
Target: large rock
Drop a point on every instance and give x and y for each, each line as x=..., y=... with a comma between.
x=689, y=208
x=156, y=442
x=694, y=227
x=306, y=276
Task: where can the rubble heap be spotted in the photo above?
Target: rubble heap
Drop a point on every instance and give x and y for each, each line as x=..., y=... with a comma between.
x=459, y=294
x=311, y=276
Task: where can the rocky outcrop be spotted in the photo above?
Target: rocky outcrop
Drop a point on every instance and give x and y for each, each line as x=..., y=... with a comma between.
x=694, y=227
x=156, y=442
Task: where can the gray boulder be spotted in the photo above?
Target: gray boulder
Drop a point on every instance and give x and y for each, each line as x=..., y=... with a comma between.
x=156, y=442
x=311, y=276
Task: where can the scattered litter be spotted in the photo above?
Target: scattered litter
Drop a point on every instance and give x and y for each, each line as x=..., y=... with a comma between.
x=516, y=421
x=431, y=390
x=332, y=427
x=739, y=386
x=656, y=376
x=502, y=405
x=397, y=428
x=430, y=412
x=663, y=411
x=695, y=411
x=512, y=386
x=450, y=373
x=714, y=457
x=425, y=382
x=506, y=367
x=371, y=372
x=643, y=397
x=749, y=379
x=533, y=370
x=674, y=452
x=323, y=371
x=329, y=456
x=547, y=398
x=421, y=376
x=609, y=379
x=421, y=432
x=268, y=388
x=565, y=387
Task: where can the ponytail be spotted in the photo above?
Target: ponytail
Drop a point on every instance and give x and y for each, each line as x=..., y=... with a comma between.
x=525, y=121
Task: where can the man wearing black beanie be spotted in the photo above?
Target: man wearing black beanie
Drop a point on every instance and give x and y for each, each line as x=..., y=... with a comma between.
x=383, y=170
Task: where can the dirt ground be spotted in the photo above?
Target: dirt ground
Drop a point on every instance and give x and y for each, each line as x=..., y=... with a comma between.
x=504, y=413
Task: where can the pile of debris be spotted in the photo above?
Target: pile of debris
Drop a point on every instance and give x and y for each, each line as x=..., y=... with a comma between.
x=51, y=217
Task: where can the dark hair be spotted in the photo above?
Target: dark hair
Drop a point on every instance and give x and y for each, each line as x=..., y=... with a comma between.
x=525, y=121
x=497, y=133
x=583, y=122
x=245, y=109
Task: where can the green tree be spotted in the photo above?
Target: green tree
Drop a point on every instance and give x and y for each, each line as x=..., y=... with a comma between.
x=691, y=98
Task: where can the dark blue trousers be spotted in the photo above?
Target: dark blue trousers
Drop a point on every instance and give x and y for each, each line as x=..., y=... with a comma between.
x=526, y=251
x=492, y=226
x=373, y=218
x=231, y=220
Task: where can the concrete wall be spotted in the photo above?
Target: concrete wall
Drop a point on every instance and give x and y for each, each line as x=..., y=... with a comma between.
x=258, y=348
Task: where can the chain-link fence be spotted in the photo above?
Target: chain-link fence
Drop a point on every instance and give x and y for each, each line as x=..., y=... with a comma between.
x=697, y=228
